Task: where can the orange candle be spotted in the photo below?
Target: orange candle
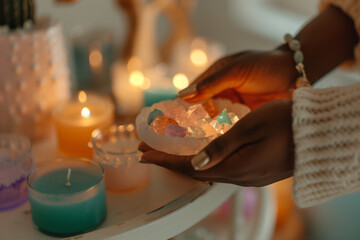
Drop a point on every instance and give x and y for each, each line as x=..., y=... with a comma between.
x=76, y=119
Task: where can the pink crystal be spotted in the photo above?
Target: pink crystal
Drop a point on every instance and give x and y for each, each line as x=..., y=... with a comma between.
x=176, y=112
x=197, y=112
x=174, y=130
x=194, y=115
x=160, y=122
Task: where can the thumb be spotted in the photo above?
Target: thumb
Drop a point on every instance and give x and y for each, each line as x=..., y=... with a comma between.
x=224, y=146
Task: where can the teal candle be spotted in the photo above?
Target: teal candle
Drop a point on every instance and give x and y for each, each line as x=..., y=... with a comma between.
x=67, y=196
x=158, y=94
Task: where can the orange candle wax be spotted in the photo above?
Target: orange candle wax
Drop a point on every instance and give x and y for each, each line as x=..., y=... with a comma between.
x=76, y=119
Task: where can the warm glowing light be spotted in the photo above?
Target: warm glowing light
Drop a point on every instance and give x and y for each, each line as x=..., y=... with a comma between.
x=137, y=78
x=85, y=113
x=134, y=64
x=146, y=84
x=130, y=127
x=82, y=96
x=180, y=81
x=95, y=58
x=198, y=57
x=198, y=43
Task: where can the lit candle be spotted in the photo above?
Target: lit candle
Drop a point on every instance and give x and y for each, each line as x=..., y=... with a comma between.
x=116, y=149
x=67, y=196
x=127, y=88
x=76, y=119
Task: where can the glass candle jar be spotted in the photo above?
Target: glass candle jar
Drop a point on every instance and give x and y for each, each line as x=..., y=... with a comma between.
x=77, y=118
x=67, y=196
x=116, y=149
x=15, y=165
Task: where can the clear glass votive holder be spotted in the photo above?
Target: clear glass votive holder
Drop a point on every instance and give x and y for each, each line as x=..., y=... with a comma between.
x=67, y=196
x=15, y=165
x=116, y=148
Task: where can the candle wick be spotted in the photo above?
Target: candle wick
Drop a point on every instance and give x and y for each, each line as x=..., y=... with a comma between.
x=68, y=178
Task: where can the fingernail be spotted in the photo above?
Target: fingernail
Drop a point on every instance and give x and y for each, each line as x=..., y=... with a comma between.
x=188, y=92
x=200, y=160
x=144, y=161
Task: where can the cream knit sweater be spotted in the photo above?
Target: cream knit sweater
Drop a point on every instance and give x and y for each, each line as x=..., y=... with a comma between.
x=326, y=126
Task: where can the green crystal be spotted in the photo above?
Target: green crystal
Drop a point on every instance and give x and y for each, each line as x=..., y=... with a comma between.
x=224, y=118
x=156, y=112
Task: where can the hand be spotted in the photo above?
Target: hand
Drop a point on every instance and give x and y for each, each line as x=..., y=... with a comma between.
x=251, y=77
x=257, y=151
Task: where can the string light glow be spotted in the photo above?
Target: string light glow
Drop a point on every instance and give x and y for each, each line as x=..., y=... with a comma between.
x=137, y=78
x=198, y=57
x=180, y=81
x=95, y=58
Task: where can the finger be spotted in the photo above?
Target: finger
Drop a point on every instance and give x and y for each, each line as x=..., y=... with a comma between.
x=210, y=86
x=143, y=147
x=191, y=93
x=219, y=64
x=240, y=135
x=172, y=162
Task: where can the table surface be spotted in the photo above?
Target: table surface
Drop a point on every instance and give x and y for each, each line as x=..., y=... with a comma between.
x=150, y=213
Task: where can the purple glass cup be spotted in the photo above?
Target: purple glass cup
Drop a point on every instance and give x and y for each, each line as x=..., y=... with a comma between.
x=15, y=165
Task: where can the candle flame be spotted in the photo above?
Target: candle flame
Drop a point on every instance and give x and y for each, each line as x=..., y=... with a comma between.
x=82, y=96
x=198, y=57
x=85, y=113
x=95, y=58
x=136, y=78
x=180, y=81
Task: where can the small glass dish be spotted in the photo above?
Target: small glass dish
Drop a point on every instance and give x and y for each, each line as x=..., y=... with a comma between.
x=116, y=149
x=15, y=165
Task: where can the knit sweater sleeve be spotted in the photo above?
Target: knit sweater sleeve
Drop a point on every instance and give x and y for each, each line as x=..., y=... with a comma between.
x=326, y=129
x=352, y=8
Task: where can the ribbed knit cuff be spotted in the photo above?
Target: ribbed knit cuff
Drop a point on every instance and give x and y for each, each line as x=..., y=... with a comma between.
x=326, y=128
x=352, y=8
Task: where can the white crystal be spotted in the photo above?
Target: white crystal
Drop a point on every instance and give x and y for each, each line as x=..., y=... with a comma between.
x=234, y=118
x=181, y=146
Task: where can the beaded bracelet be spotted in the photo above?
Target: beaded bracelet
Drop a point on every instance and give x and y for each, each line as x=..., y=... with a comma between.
x=295, y=45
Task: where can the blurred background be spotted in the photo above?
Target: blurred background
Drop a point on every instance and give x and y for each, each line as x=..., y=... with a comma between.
x=96, y=35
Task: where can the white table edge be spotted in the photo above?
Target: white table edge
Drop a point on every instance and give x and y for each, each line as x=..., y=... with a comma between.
x=169, y=220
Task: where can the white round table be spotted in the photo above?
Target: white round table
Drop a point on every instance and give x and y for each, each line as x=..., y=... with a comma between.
x=169, y=205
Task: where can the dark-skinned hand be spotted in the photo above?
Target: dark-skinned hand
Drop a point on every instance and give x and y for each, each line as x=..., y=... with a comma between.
x=257, y=151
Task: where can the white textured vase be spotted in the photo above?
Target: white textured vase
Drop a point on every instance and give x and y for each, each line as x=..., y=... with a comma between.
x=34, y=78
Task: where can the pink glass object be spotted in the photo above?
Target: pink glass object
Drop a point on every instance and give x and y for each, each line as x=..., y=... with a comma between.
x=116, y=149
x=15, y=165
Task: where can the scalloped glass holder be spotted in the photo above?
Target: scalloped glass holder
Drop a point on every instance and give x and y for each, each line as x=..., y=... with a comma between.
x=115, y=148
x=15, y=165
x=177, y=145
x=34, y=78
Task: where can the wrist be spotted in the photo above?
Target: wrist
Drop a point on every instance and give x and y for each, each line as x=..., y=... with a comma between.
x=288, y=63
